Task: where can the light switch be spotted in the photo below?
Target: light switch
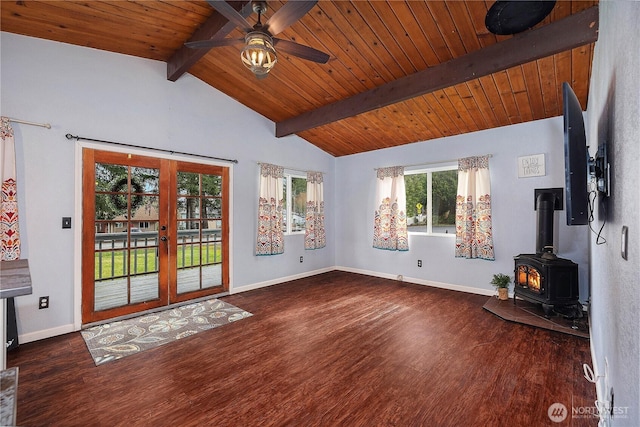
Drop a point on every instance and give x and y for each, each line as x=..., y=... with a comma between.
x=66, y=222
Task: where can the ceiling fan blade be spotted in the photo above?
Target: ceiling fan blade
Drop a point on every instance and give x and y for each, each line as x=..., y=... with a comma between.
x=231, y=14
x=202, y=44
x=287, y=15
x=301, y=51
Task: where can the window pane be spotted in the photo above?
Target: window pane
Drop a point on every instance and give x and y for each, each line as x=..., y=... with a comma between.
x=211, y=185
x=188, y=207
x=416, y=192
x=284, y=204
x=147, y=179
x=188, y=183
x=431, y=201
x=212, y=208
x=444, y=188
x=298, y=203
x=107, y=175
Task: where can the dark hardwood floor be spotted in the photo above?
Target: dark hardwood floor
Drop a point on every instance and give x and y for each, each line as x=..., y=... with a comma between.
x=334, y=349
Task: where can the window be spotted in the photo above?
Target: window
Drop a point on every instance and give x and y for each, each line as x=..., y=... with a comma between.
x=295, y=202
x=431, y=200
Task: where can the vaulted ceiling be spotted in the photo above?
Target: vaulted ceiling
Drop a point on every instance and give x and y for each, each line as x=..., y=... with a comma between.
x=398, y=71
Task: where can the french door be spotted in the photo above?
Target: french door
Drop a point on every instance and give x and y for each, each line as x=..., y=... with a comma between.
x=155, y=232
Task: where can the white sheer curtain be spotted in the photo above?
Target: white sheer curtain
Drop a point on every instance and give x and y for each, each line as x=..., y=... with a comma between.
x=390, y=225
x=474, y=236
x=314, y=236
x=270, y=202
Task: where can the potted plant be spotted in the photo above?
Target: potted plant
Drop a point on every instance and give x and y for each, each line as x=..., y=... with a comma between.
x=501, y=283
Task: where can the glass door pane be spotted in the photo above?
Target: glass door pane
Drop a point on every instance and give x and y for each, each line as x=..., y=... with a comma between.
x=121, y=222
x=200, y=225
x=126, y=239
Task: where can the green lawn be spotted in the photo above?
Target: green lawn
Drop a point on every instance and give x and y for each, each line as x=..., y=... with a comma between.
x=112, y=263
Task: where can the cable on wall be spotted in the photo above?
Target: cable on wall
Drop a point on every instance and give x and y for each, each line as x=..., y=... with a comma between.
x=78, y=138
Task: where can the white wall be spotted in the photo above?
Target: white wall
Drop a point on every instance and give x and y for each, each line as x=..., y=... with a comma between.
x=614, y=117
x=514, y=218
x=120, y=98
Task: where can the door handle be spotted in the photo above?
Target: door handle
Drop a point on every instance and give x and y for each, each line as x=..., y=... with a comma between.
x=164, y=227
x=163, y=238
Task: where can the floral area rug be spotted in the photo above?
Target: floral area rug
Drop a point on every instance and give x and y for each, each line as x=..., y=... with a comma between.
x=113, y=341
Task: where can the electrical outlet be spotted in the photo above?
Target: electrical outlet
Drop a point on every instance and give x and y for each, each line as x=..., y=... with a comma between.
x=419, y=263
x=43, y=302
x=301, y=259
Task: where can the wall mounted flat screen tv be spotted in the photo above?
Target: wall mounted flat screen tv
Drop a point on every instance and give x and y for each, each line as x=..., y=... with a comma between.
x=576, y=159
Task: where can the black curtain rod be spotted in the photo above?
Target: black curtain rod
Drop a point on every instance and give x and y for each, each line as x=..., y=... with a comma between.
x=78, y=138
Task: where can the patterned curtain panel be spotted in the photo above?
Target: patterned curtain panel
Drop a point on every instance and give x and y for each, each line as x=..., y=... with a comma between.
x=474, y=237
x=270, y=202
x=9, y=233
x=390, y=226
x=314, y=235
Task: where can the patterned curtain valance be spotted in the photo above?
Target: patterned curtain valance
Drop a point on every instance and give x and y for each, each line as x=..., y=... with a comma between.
x=476, y=162
x=314, y=177
x=390, y=172
x=274, y=171
x=6, y=131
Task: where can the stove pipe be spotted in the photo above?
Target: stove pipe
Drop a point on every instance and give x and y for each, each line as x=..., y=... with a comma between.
x=544, y=231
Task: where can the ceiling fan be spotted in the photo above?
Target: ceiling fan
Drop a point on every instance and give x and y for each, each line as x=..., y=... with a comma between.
x=259, y=54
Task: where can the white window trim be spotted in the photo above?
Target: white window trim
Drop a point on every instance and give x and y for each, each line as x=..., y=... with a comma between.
x=428, y=170
x=288, y=176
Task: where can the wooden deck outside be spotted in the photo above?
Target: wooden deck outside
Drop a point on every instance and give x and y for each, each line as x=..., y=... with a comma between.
x=113, y=292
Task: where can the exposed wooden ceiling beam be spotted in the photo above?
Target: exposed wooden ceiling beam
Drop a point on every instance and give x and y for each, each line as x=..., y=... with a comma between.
x=217, y=26
x=568, y=33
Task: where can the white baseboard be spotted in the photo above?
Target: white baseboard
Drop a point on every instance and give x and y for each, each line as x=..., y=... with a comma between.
x=238, y=289
x=46, y=333
x=418, y=281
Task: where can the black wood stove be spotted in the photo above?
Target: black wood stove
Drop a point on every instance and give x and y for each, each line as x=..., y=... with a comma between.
x=543, y=277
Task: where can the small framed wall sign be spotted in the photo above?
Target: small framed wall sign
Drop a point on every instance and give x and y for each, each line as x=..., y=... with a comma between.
x=532, y=165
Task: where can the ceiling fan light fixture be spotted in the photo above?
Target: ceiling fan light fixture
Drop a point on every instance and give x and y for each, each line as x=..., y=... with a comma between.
x=258, y=55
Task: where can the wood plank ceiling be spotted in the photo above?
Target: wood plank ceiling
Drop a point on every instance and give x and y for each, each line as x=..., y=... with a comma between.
x=372, y=44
